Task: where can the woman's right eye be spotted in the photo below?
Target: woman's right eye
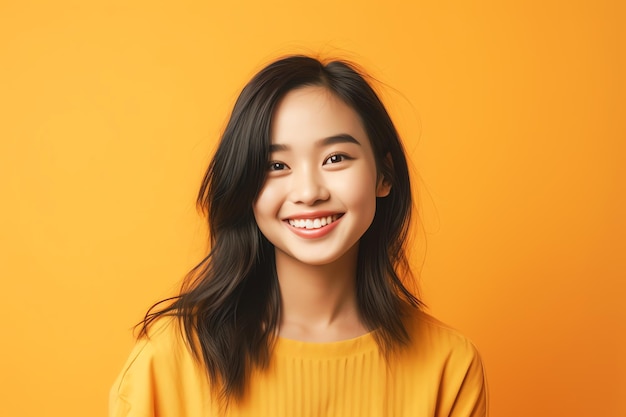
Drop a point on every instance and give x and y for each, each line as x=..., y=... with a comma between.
x=277, y=166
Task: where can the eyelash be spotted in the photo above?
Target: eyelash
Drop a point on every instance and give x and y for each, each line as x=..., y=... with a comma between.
x=343, y=157
x=279, y=166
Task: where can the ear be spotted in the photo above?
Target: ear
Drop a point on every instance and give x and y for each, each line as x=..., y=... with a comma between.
x=383, y=185
x=383, y=188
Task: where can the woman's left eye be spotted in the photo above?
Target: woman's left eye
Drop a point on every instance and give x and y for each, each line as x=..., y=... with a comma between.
x=333, y=159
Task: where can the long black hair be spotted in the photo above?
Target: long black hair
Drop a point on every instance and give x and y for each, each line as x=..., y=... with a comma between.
x=229, y=304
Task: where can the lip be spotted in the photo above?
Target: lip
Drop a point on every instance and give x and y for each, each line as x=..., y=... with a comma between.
x=313, y=233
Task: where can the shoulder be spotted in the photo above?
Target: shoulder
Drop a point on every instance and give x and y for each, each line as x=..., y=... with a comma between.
x=448, y=360
x=163, y=344
x=433, y=337
x=440, y=345
x=159, y=369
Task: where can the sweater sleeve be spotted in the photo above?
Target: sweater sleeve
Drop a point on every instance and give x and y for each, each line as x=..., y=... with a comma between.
x=464, y=389
x=161, y=378
x=133, y=393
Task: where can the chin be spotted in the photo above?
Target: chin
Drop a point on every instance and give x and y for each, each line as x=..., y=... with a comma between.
x=317, y=258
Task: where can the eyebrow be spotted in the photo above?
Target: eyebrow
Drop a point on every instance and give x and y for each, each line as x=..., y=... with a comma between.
x=331, y=140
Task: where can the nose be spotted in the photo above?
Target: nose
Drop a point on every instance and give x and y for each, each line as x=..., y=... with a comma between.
x=308, y=187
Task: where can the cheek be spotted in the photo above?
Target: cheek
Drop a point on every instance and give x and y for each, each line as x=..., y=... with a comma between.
x=359, y=195
x=266, y=201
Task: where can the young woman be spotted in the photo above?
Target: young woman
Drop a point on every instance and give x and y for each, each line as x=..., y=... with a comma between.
x=301, y=308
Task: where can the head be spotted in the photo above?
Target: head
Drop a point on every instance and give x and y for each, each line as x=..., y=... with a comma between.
x=231, y=300
x=239, y=168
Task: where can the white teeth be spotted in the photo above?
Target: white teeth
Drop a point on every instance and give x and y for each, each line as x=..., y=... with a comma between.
x=316, y=223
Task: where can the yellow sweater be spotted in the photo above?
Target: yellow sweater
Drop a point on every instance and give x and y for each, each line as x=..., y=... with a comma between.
x=439, y=374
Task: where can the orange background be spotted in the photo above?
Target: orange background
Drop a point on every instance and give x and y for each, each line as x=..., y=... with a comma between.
x=513, y=115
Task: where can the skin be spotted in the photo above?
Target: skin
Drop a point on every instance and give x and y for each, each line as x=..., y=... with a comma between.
x=322, y=165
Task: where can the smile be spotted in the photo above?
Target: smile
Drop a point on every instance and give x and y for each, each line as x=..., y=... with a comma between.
x=315, y=223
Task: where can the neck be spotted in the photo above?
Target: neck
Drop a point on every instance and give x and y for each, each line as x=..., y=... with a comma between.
x=319, y=301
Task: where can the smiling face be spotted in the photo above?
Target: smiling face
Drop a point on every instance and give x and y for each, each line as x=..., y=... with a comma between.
x=320, y=193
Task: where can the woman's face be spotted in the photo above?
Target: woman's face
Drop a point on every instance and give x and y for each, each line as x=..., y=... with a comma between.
x=319, y=197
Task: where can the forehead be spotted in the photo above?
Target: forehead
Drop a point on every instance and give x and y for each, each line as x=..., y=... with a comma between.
x=312, y=113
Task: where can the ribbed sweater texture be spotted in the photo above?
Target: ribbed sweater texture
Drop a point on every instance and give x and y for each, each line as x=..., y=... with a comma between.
x=439, y=374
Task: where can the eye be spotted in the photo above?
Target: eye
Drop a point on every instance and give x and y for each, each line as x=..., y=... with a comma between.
x=335, y=158
x=277, y=166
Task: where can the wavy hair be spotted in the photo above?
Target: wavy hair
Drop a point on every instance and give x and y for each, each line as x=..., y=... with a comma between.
x=229, y=303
